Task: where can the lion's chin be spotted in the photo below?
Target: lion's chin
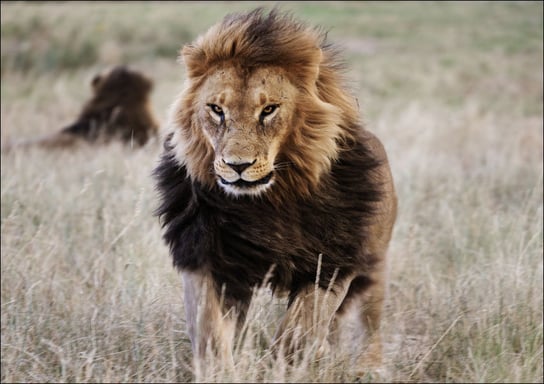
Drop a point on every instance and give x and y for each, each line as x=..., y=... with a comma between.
x=244, y=187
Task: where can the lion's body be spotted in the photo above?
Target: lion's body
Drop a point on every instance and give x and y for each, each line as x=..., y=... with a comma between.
x=269, y=175
x=119, y=110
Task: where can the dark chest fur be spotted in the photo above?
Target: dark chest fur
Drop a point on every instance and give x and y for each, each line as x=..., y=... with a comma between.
x=239, y=239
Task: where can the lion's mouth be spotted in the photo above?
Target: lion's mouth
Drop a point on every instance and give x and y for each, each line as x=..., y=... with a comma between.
x=241, y=183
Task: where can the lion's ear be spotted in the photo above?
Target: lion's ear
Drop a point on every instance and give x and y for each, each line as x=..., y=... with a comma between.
x=317, y=58
x=195, y=60
x=96, y=79
x=308, y=71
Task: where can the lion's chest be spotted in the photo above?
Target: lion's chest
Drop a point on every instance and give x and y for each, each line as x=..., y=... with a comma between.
x=252, y=240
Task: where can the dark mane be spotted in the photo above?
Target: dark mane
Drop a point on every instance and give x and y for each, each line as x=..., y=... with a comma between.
x=239, y=239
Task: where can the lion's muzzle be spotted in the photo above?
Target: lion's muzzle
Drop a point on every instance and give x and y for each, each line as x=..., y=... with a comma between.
x=243, y=177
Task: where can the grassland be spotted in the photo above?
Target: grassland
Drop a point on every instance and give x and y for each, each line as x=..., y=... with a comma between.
x=455, y=92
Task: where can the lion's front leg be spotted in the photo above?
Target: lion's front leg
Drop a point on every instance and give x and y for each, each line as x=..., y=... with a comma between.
x=210, y=329
x=362, y=308
x=308, y=318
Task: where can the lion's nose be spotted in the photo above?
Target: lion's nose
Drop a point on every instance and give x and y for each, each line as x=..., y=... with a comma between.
x=239, y=167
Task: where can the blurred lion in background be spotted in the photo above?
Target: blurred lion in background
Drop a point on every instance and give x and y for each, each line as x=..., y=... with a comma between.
x=119, y=110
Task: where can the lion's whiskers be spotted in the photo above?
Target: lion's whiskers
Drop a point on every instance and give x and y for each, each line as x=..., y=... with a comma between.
x=282, y=165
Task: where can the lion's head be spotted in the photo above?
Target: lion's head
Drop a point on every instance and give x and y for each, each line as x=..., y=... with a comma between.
x=262, y=106
x=121, y=85
x=120, y=108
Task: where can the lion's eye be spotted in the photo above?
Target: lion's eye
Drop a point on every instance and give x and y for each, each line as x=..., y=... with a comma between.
x=216, y=109
x=268, y=110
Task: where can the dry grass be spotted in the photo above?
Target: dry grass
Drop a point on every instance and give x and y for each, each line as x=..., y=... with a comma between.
x=454, y=91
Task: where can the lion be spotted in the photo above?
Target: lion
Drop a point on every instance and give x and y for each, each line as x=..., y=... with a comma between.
x=119, y=109
x=269, y=177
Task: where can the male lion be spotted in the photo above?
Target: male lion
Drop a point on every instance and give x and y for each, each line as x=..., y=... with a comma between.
x=118, y=110
x=268, y=168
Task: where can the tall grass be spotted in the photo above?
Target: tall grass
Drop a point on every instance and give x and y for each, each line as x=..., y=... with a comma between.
x=454, y=90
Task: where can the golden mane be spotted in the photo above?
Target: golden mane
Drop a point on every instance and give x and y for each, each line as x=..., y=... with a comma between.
x=326, y=114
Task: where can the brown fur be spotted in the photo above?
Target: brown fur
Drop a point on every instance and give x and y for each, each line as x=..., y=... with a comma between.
x=297, y=188
x=119, y=109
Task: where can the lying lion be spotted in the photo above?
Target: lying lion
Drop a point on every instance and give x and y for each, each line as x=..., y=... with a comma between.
x=119, y=109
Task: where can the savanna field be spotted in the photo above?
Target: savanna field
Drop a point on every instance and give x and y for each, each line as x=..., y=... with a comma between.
x=453, y=90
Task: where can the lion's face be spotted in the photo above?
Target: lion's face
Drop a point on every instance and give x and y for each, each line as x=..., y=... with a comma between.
x=262, y=112
x=245, y=117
